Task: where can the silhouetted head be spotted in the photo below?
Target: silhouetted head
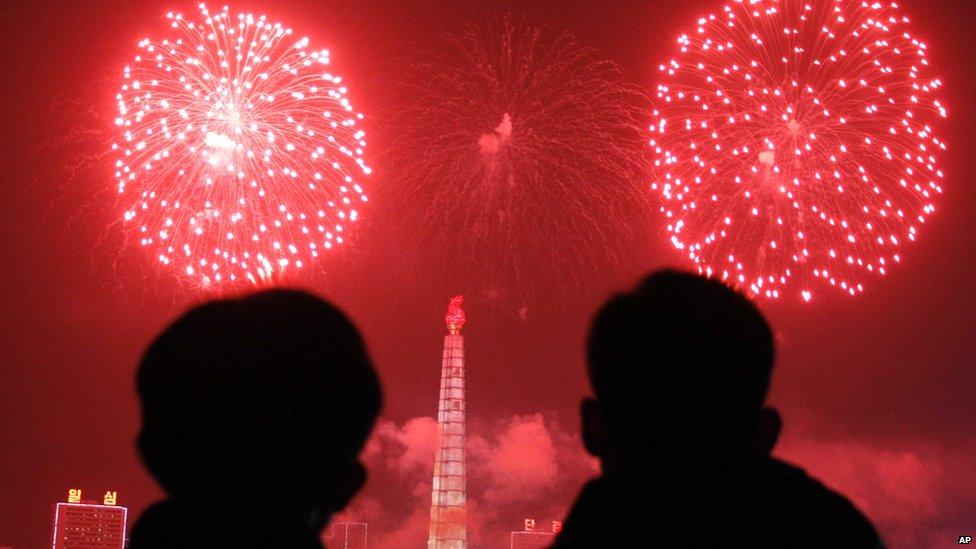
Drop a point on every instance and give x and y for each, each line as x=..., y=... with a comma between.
x=268, y=398
x=682, y=362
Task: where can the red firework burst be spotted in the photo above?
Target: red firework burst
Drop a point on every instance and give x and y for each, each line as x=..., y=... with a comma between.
x=239, y=153
x=795, y=143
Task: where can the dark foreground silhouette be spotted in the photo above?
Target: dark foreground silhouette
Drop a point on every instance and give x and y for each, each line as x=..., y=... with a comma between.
x=254, y=411
x=680, y=368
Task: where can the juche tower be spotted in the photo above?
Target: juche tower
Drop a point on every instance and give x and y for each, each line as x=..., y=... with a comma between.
x=448, y=497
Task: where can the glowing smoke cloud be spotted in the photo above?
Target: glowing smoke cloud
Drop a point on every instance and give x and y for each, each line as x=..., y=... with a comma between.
x=517, y=154
x=238, y=152
x=796, y=143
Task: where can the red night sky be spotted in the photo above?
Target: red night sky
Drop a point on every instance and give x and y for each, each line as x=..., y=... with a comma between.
x=877, y=392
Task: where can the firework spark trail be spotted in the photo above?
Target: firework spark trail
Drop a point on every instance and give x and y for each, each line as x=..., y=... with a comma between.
x=516, y=151
x=795, y=143
x=238, y=154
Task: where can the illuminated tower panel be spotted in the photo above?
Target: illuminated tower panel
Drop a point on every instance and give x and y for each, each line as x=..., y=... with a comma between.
x=448, y=496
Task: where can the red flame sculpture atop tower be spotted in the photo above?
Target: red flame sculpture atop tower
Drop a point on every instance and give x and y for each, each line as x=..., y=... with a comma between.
x=455, y=315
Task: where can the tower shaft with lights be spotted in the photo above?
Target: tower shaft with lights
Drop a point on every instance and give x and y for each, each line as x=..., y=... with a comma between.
x=448, y=529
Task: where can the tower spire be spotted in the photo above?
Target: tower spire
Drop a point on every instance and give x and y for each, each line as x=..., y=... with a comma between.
x=448, y=528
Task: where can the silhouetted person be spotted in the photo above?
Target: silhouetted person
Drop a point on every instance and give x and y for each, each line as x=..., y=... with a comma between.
x=254, y=411
x=680, y=368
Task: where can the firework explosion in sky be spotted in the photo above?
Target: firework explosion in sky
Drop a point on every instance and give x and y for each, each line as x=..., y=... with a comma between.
x=513, y=145
x=238, y=154
x=795, y=143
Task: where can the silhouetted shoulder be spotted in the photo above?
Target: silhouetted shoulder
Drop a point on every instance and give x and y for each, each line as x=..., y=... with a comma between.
x=167, y=526
x=813, y=512
x=756, y=503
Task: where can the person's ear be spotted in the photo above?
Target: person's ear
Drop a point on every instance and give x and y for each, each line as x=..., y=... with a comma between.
x=767, y=430
x=593, y=427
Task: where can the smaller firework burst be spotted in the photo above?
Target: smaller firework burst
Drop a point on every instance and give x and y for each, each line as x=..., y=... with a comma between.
x=518, y=154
